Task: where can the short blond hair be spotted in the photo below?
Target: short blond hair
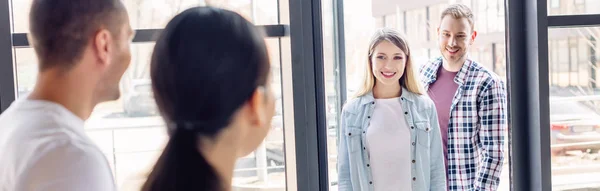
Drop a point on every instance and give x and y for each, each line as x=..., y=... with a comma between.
x=459, y=11
x=409, y=78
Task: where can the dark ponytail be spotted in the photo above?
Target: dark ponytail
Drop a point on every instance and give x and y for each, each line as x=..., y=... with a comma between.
x=182, y=167
x=206, y=64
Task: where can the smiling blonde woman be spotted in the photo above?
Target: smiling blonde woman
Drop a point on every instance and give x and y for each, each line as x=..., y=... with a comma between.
x=390, y=137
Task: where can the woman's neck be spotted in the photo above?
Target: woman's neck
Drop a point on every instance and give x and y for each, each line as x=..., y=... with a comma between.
x=381, y=91
x=222, y=158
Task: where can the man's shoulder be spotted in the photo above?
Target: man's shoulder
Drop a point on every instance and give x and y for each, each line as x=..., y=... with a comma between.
x=35, y=124
x=483, y=74
x=83, y=164
x=30, y=133
x=429, y=69
x=430, y=64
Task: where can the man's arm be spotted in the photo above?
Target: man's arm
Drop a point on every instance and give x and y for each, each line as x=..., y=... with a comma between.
x=492, y=128
x=68, y=167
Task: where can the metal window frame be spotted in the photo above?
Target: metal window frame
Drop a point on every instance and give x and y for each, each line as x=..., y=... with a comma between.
x=7, y=81
x=528, y=87
x=340, y=51
x=306, y=35
x=9, y=40
x=19, y=40
x=572, y=21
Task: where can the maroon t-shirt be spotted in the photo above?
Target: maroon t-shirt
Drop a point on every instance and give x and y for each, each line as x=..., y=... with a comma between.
x=442, y=92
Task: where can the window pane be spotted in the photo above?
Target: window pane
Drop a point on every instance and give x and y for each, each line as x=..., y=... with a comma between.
x=132, y=135
x=129, y=130
x=332, y=89
x=379, y=22
x=145, y=14
x=488, y=49
x=575, y=110
x=391, y=21
x=359, y=25
x=573, y=7
x=266, y=166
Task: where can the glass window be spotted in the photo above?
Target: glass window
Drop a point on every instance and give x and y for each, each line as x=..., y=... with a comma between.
x=401, y=21
x=573, y=62
x=380, y=22
x=500, y=60
x=554, y=3
x=492, y=15
x=584, y=64
x=132, y=135
x=574, y=114
x=391, y=21
x=331, y=88
x=129, y=130
x=553, y=62
x=358, y=30
x=416, y=25
x=435, y=12
x=359, y=24
x=481, y=17
x=573, y=7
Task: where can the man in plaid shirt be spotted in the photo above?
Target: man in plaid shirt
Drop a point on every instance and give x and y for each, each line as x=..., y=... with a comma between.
x=471, y=106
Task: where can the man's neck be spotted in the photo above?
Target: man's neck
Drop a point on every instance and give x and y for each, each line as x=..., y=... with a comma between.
x=453, y=66
x=67, y=90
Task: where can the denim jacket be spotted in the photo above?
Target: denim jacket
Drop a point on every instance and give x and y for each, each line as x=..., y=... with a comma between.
x=428, y=169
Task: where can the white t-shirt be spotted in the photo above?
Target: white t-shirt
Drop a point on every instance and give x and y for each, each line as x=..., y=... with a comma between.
x=43, y=146
x=388, y=140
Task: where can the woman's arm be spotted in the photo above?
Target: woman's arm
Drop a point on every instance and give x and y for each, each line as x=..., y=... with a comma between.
x=344, y=182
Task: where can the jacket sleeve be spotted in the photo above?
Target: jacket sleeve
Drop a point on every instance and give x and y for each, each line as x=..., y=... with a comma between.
x=493, y=125
x=344, y=181
x=438, y=167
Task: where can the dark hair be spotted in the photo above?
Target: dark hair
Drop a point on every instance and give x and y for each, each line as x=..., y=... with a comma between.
x=61, y=29
x=206, y=64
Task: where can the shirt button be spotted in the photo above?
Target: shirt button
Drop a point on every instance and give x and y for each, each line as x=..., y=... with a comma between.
x=427, y=129
x=368, y=165
x=402, y=99
x=371, y=182
x=364, y=148
x=373, y=102
x=369, y=117
x=349, y=134
x=405, y=113
x=412, y=127
x=413, y=161
x=413, y=143
x=364, y=132
x=414, y=179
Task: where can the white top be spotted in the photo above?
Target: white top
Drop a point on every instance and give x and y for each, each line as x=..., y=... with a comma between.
x=43, y=146
x=388, y=140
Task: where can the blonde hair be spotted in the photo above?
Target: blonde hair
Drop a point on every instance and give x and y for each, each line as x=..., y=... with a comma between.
x=459, y=11
x=408, y=79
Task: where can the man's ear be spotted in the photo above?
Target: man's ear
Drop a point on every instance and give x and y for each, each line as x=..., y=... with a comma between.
x=473, y=36
x=102, y=45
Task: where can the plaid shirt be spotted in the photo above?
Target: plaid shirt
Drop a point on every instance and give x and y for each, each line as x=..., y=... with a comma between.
x=477, y=126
